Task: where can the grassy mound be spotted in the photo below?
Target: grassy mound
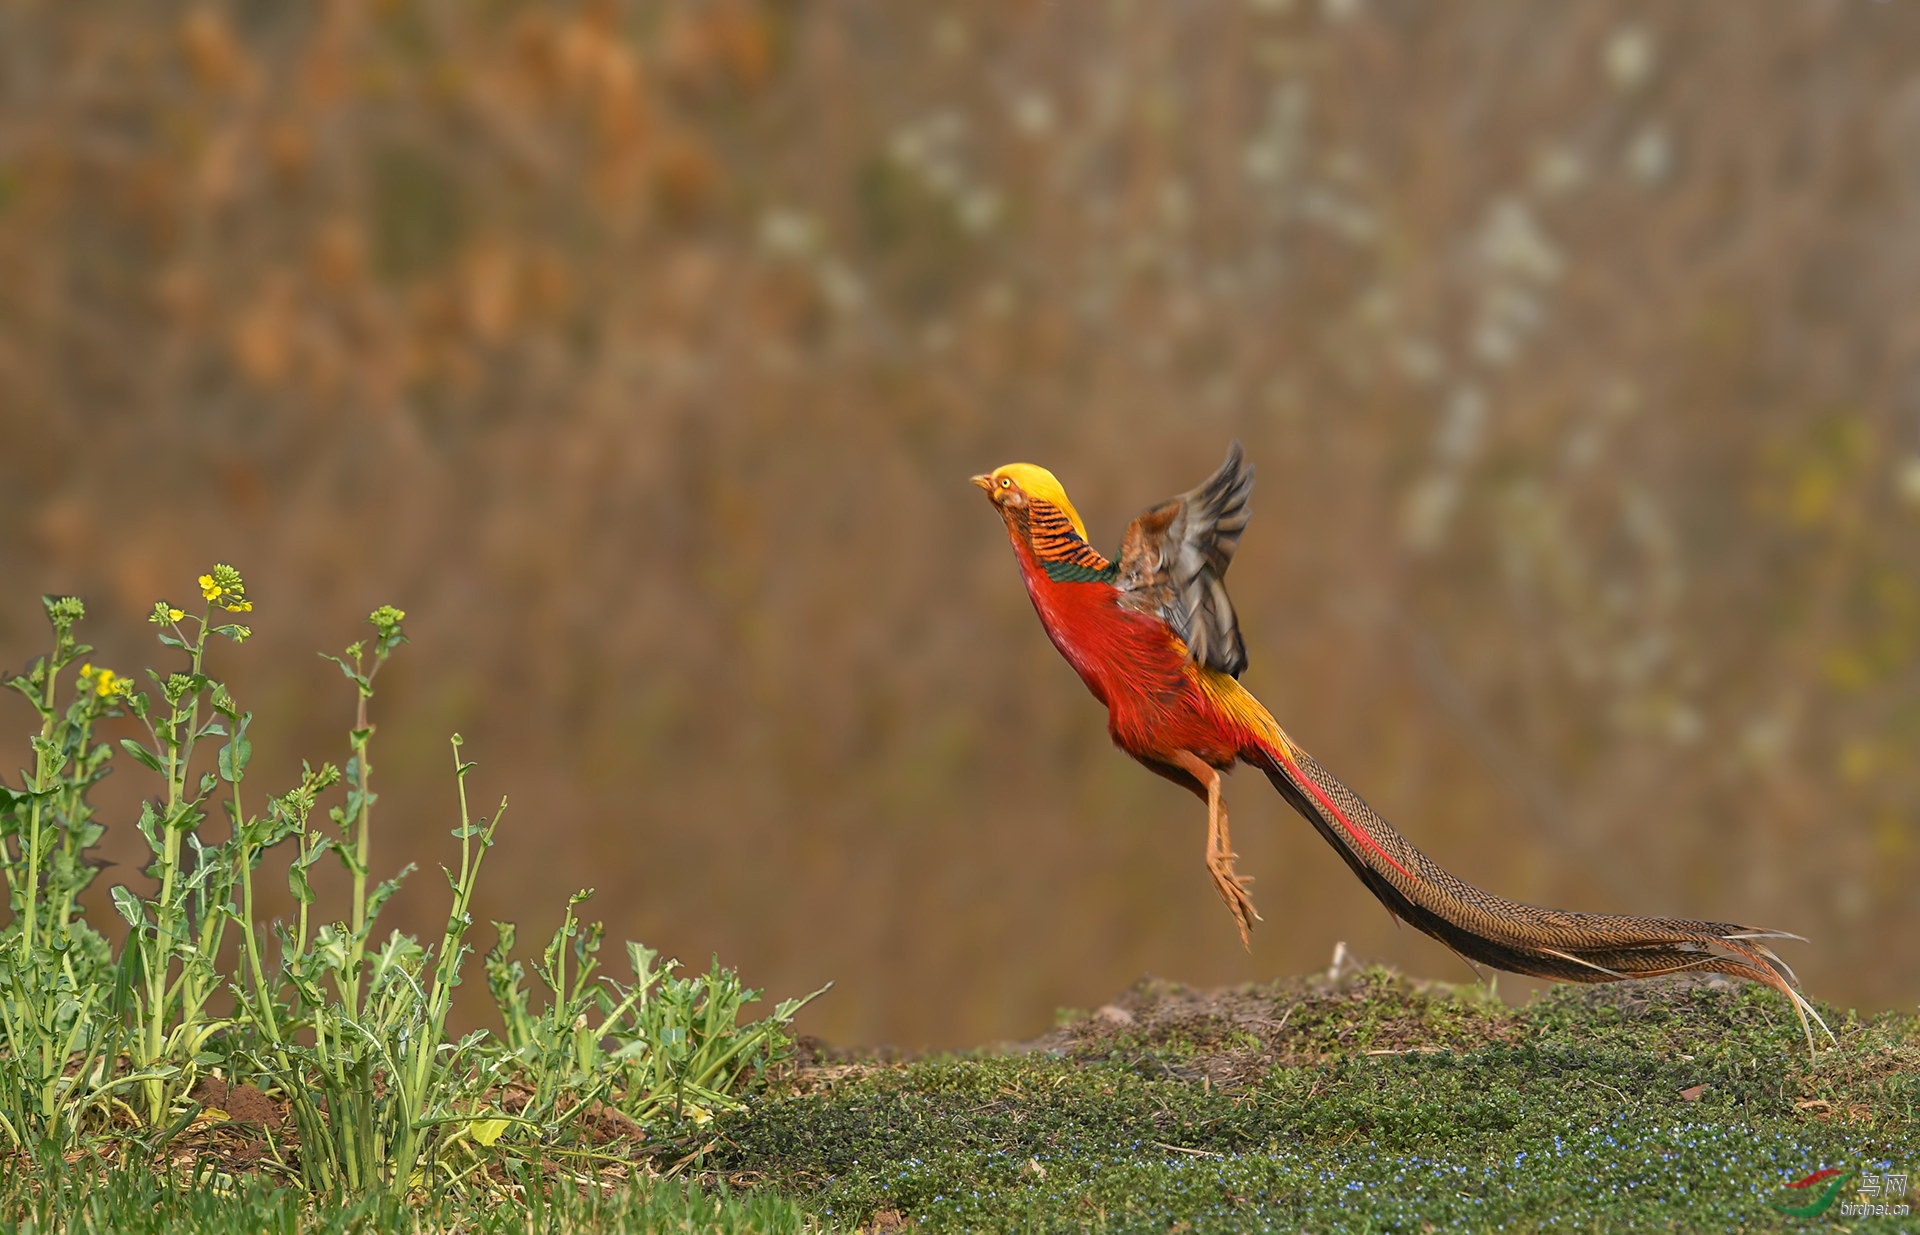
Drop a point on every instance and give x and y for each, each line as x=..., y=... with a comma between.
x=1369, y=1102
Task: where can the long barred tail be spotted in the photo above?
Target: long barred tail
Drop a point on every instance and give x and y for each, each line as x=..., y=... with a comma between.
x=1504, y=934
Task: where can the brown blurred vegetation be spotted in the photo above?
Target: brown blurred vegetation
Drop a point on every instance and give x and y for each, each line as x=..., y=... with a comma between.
x=641, y=351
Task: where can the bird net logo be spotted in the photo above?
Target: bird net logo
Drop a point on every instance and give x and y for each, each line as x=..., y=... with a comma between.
x=1875, y=1195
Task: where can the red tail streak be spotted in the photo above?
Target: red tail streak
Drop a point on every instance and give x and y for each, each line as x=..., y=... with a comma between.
x=1359, y=834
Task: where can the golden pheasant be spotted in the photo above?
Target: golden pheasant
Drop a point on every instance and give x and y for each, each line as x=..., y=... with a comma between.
x=1155, y=638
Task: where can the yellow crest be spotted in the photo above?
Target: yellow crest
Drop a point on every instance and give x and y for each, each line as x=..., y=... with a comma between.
x=1038, y=482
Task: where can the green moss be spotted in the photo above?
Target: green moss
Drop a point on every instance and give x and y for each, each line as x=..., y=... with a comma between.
x=1376, y=1103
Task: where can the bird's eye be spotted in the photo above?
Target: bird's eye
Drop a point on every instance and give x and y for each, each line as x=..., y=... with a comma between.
x=1006, y=483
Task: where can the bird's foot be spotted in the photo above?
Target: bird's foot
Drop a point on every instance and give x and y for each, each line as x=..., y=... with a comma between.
x=1233, y=890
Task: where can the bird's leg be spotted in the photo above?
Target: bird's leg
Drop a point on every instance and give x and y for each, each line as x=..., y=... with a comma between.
x=1231, y=886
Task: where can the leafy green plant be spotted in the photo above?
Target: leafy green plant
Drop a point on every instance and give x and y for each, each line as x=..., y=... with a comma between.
x=177, y=935
x=662, y=1044
x=349, y=1029
x=58, y=989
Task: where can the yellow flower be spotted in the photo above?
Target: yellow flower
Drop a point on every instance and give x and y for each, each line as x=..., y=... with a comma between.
x=225, y=586
x=174, y=615
x=104, y=682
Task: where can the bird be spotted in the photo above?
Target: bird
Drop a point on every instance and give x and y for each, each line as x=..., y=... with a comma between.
x=1153, y=634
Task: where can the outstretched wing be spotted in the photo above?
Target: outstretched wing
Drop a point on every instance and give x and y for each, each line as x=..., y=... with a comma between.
x=1174, y=559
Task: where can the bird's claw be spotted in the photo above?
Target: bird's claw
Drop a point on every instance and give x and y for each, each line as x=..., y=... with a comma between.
x=1233, y=890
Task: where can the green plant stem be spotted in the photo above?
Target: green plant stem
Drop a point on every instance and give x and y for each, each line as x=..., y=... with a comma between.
x=446, y=971
x=362, y=839
x=305, y=859
x=75, y=793
x=262, y=1001
x=42, y=774
x=362, y=850
x=168, y=912
x=355, y=1129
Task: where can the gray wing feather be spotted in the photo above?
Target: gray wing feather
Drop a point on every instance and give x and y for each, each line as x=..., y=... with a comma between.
x=1174, y=562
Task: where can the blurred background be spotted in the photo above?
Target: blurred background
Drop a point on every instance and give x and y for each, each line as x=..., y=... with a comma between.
x=641, y=352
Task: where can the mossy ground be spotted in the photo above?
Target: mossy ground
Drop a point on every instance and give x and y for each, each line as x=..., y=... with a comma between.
x=1368, y=1103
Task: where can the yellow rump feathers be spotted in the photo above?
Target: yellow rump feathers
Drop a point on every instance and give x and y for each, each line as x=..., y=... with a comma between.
x=1038, y=482
x=1226, y=693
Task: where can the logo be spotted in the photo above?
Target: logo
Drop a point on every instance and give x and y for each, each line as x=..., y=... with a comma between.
x=1801, y=1207
x=1879, y=1195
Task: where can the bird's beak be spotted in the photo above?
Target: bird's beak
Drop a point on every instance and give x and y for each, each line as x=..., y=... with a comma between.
x=985, y=482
